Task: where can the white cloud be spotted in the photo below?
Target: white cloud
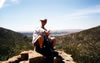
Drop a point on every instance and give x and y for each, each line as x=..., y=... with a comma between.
x=2, y=3
x=8, y=3
x=81, y=14
x=14, y=1
x=80, y=19
x=87, y=11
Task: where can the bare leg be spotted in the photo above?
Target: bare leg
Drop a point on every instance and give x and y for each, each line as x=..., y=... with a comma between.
x=41, y=40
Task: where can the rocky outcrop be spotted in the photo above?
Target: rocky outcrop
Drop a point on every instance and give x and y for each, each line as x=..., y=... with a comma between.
x=34, y=57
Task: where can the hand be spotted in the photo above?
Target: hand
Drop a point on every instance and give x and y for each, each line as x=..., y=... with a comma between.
x=47, y=33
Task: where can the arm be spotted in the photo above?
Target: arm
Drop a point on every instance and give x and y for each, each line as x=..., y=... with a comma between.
x=47, y=33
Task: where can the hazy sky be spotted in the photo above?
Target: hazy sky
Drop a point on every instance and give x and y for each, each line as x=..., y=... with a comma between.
x=25, y=15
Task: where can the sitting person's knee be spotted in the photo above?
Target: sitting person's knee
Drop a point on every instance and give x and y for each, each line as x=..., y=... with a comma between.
x=41, y=37
x=53, y=39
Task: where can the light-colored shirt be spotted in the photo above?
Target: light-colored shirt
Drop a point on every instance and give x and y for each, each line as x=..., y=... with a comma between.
x=37, y=32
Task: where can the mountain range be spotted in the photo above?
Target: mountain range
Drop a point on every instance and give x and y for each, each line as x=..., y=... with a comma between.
x=84, y=46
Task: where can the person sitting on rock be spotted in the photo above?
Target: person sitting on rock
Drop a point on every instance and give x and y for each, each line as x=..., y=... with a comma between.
x=44, y=43
x=41, y=36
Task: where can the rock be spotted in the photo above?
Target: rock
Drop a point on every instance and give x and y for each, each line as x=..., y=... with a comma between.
x=24, y=55
x=39, y=59
x=34, y=57
x=24, y=62
x=33, y=54
x=14, y=59
x=66, y=57
x=4, y=62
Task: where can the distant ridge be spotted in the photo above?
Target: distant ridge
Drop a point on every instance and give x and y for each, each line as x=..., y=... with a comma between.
x=55, y=32
x=9, y=34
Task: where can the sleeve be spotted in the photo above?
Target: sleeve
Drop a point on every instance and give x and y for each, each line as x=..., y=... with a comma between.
x=34, y=38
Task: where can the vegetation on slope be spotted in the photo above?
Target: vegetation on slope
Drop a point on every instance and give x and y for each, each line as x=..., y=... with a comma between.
x=84, y=46
x=12, y=43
